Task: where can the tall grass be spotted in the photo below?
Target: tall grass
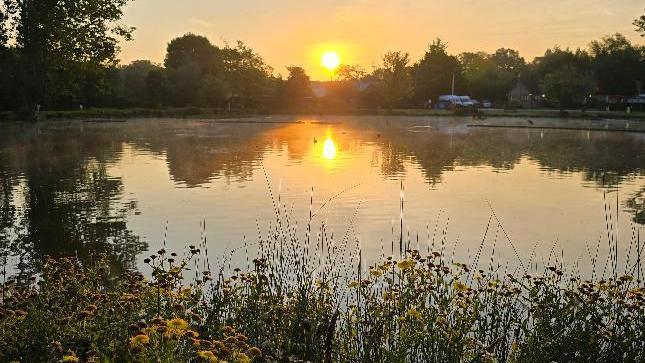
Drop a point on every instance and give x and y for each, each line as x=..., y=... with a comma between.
x=311, y=296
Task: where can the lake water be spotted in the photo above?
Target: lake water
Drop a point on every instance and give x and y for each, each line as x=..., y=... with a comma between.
x=74, y=187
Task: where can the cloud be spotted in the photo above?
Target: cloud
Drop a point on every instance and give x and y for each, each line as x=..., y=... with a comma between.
x=200, y=22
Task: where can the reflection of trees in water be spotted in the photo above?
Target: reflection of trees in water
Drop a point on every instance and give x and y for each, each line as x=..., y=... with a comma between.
x=70, y=205
x=636, y=204
x=606, y=158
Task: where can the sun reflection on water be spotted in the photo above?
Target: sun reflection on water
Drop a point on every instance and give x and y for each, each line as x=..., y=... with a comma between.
x=329, y=149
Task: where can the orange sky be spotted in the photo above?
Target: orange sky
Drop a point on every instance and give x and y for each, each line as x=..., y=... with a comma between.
x=290, y=32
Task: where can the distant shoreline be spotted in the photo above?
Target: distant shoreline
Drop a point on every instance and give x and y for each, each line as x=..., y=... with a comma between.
x=114, y=115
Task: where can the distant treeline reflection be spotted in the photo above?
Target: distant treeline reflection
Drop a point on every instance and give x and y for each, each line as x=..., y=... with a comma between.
x=57, y=197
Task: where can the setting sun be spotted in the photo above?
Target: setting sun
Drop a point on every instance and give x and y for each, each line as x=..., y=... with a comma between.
x=330, y=60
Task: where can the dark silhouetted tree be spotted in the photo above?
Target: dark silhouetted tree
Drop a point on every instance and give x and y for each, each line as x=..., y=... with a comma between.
x=432, y=75
x=394, y=78
x=296, y=89
x=618, y=65
x=568, y=86
x=52, y=36
x=639, y=23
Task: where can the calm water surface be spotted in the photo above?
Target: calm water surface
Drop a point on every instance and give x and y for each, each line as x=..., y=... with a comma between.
x=76, y=187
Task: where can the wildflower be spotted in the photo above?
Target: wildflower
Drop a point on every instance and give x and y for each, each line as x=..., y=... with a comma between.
x=354, y=284
x=207, y=355
x=405, y=264
x=241, y=358
x=460, y=286
x=139, y=340
x=376, y=272
x=177, y=324
x=70, y=357
x=414, y=313
x=254, y=352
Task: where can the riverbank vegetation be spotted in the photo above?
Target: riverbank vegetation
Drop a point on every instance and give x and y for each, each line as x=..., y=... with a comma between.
x=418, y=308
x=315, y=299
x=68, y=69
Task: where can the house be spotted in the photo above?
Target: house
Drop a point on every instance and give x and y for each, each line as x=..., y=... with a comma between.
x=520, y=96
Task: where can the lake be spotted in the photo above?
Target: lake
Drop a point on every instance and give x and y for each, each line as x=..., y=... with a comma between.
x=526, y=195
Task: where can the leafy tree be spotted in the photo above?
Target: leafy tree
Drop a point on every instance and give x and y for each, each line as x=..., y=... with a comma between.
x=158, y=88
x=297, y=88
x=348, y=72
x=196, y=51
x=394, y=78
x=432, y=75
x=134, y=77
x=639, y=23
x=246, y=73
x=618, y=64
x=52, y=35
x=508, y=60
x=553, y=60
x=485, y=78
x=214, y=92
x=568, y=86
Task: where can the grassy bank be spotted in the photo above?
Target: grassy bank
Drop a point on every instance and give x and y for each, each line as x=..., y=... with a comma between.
x=191, y=112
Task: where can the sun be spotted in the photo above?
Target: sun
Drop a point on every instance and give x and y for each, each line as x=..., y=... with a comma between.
x=330, y=60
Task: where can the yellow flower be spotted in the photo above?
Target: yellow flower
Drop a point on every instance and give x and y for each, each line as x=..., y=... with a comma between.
x=241, y=358
x=177, y=324
x=207, y=355
x=139, y=340
x=376, y=272
x=354, y=284
x=414, y=313
x=71, y=358
x=460, y=286
x=405, y=264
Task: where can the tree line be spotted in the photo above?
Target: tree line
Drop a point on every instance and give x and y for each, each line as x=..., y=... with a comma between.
x=62, y=54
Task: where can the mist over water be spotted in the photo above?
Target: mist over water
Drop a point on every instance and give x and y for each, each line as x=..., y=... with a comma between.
x=71, y=188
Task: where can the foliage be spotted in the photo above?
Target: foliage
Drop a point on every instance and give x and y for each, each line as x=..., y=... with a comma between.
x=639, y=23
x=412, y=309
x=485, y=77
x=568, y=86
x=77, y=312
x=432, y=75
x=618, y=64
x=54, y=37
x=394, y=78
x=296, y=88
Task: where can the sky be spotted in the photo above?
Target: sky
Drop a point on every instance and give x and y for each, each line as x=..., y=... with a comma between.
x=296, y=32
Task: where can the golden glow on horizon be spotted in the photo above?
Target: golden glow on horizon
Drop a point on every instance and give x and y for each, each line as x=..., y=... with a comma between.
x=329, y=150
x=330, y=60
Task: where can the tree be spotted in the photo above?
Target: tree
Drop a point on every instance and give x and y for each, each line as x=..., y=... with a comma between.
x=52, y=35
x=394, y=78
x=485, y=78
x=568, y=86
x=246, y=73
x=297, y=88
x=196, y=51
x=348, y=72
x=158, y=88
x=213, y=92
x=553, y=60
x=639, y=23
x=134, y=81
x=508, y=60
x=432, y=75
x=618, y=64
